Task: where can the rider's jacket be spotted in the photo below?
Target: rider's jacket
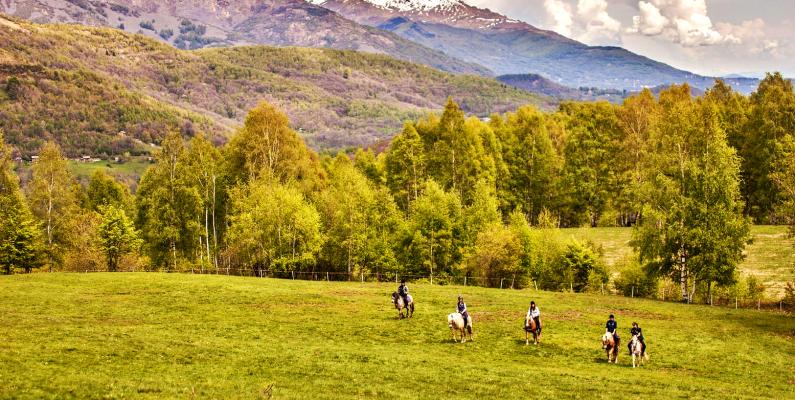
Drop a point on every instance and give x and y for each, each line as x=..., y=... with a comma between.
x=611, y=326
x=462, y=307
x=533, y=313
x=636, y=332
x=403, y=290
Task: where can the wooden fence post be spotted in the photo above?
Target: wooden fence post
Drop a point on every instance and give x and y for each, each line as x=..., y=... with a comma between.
x=535, y=284
x=293, y=274
x=501, y=282
x=465, y=280
x=327, y=276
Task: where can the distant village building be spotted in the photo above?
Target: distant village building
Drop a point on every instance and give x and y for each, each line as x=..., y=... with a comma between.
x=34, y=158
x=85, y=159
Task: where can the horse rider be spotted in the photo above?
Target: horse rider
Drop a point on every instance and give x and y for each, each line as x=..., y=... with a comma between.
x=534, y=313
x=612, y=327
x=403, y=291
x=462, y=309
x=636, y=331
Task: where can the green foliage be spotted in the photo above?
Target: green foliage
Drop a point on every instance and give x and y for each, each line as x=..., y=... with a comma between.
x=361, y=224
x=691, y=195
x=771, y=120
x=117, y=235
x=580, y=268
x=496, y=254
x=166, y=34
x=266, y=148
x=405, y=166
x=532, y=165
x=273, y=226
x=53, y=201
x=13, y=88
x=21, y=245
x=634, y=281
x=435, y=228
x=104, y=190
x=168, y=207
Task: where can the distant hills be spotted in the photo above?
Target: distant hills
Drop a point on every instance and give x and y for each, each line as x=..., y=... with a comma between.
x=449, y=35
x=507, y=46
x=191, y=24
x=102, y=90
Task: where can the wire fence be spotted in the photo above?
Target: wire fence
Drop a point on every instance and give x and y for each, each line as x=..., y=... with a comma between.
x=512, y=282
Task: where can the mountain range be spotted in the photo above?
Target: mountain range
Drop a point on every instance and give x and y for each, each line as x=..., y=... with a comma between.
x=445, y=34
x=99, y=90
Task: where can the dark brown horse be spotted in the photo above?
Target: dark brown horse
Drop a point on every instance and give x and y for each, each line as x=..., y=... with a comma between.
x=610, y=345
x=531, y=327
x=400, y=305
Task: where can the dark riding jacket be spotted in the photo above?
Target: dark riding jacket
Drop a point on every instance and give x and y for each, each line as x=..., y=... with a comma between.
x=403, y=290
x=612, y=326
x=636, y=332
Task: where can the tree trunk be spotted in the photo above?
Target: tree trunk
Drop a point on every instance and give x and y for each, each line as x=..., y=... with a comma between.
x=683, y=282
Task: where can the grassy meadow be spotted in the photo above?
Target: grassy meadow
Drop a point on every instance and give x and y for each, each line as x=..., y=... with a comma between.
x=770, y=257
x=150, y=335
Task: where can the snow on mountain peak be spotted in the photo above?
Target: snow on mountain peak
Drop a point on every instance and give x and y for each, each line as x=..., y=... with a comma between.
x=408, y=5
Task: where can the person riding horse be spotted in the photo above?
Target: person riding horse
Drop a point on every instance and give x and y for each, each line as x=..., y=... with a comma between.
x=612, y=327
x=462, y=309
x=534, y=313
x=403, y=291
x=636, y=331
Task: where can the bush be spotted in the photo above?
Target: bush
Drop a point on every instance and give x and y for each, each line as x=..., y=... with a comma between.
x=166, y=34
x=580, y=268
x=150, y=25
x=755, y=288
x=633, y=279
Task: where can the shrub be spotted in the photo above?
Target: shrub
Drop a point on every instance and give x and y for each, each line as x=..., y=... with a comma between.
x=634, y=280
x=150, y=25
x=166, y=34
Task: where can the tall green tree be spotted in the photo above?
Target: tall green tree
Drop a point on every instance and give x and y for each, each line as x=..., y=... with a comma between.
x=51, y=193
x=169, y=208
x=532, y=164
x=771, y=120
x=455, y=154
x=265, y=147
x=434, y=235
x=590, y=176
x=358, y=221
x=21, y=244
x=104, y=190
x=405, y=166
x=273, y=226
x=692, y=228
x=117, y=235
x=205, y=173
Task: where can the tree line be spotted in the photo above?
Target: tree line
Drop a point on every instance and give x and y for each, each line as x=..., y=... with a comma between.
x=451, y=196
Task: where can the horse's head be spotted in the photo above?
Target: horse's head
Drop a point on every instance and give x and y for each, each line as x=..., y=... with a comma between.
x=394, y=296
x=606, y=340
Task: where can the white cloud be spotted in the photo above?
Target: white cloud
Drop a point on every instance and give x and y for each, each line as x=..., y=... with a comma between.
x=598, y=24
x=561, y=16
x=683, y=21
x=590, y=23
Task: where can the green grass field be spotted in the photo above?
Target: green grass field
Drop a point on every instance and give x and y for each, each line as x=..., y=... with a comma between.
x=150, y=335
x=771, y=256
x=131, y=170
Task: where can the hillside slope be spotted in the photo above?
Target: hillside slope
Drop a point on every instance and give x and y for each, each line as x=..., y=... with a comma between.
x=149, y=335
x=69, y=79
x=195, y=24
x=507, y=46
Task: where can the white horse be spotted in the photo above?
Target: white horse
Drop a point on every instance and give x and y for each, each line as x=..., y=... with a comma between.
x=636, y=347
x=455, y=322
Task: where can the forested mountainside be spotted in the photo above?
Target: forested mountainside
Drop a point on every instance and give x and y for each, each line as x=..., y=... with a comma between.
x=205, y=23
x=82, y=86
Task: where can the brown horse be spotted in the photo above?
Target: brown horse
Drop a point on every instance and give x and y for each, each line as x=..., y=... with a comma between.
x=400, y=305
x=455, y=322
x=611, y=347
x=530, y=327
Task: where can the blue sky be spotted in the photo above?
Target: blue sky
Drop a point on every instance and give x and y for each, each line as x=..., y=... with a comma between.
x=711, y=37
